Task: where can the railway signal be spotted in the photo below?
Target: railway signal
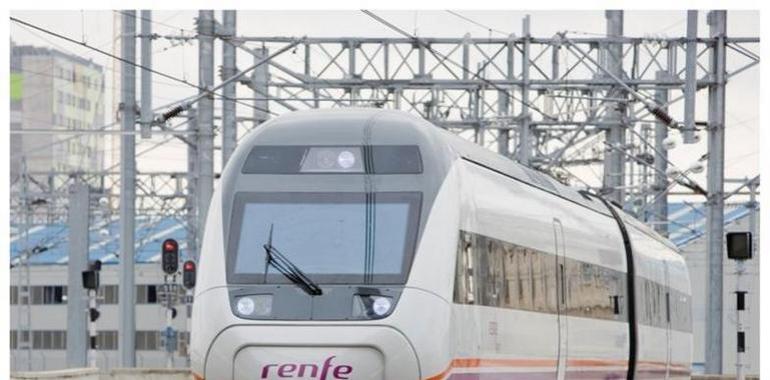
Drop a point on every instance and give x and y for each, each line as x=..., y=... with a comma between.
x=188, y=274
x=739, y=248
x=91, y=276
x=170, y=256
x=91, y=284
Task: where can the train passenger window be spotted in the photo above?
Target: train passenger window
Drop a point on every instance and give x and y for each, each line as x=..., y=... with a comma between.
x=332, y=237
x=496, y=273
x=464, y=289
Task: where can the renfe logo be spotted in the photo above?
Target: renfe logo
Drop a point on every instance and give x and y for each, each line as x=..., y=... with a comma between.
x=308, y=371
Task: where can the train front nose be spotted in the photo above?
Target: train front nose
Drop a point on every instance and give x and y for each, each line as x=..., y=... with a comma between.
x=311, y=352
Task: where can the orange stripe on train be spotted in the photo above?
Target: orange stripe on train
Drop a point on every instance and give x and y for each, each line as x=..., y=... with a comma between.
x=539, y=362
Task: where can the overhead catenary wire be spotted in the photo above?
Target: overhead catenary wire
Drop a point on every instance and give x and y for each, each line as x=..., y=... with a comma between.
x=121, y=59
x=103, y=127
x=161, y=23
x=650, y=104
x=474, y=22
x=186, y=105
x=442, y=59
x=100, y=51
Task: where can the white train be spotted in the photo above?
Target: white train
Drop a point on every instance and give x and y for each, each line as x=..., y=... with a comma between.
x=370, y=244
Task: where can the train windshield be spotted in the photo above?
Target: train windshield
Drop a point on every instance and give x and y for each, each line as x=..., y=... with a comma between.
x=334, y=238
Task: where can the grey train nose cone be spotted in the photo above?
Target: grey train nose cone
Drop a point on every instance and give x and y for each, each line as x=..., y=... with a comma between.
x=370, y=244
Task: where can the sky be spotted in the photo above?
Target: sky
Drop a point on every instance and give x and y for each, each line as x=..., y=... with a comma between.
x=96, y=28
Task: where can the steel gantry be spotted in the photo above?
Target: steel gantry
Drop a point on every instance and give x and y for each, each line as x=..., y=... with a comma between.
x=536, y=99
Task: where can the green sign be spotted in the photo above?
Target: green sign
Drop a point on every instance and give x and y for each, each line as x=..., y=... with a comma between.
x=17, y=86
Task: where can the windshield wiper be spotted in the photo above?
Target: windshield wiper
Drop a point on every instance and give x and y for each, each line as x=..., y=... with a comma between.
x=275, y=258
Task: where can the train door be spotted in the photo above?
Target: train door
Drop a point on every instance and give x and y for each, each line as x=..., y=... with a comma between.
x=561, y=297
x=667, y=301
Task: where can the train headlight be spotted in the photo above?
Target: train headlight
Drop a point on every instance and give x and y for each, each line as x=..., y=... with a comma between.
x=372, y=306
x=346, y=159
x=255, y=306
x=245, y=306
x=381, y=305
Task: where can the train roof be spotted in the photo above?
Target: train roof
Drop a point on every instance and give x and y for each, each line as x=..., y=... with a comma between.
x=322, y=125
x=380, y=126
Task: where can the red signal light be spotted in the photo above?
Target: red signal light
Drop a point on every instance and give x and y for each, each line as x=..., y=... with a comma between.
x=169, y=245
x=170, y=256
x=188, y=274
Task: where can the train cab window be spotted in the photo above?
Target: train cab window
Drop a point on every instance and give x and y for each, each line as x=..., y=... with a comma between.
x=335, y=238
x=398, y=159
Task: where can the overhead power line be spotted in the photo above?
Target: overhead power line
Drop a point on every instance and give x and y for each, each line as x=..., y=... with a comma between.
x=474, y=22
x=100, y=51
x=113, y=56
x=443, y=58
x=161, y=23
x=186, y=105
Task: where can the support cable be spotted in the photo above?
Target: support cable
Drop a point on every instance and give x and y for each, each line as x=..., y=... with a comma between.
x=474, y=22
x=189, y=103
x=207, y=92
x=442, y=58
x=650, y=104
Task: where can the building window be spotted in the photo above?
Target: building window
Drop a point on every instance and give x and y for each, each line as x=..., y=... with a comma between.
x=146, y=294
x=59, y=340
x=49, y=295
x=54, y=295
x=14, y=339
x=108, y=294
x=14, y=295
x=37, y=295
x=147, y=340
x=107, y=340
x=49, y=339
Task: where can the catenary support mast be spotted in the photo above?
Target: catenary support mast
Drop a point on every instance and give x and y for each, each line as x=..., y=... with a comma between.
x=127, y=332
x=717, y=21
x=205, y=118
x=614, y=160
x=229, y=126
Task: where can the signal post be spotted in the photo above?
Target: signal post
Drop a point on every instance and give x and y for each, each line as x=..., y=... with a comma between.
x=170, y=266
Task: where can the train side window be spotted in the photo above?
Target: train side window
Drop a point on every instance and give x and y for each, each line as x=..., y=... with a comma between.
x=539, y=292
x=509, y=279
x=464, y=281
x=496, y=275
x=526, y=269
x=483, y=263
